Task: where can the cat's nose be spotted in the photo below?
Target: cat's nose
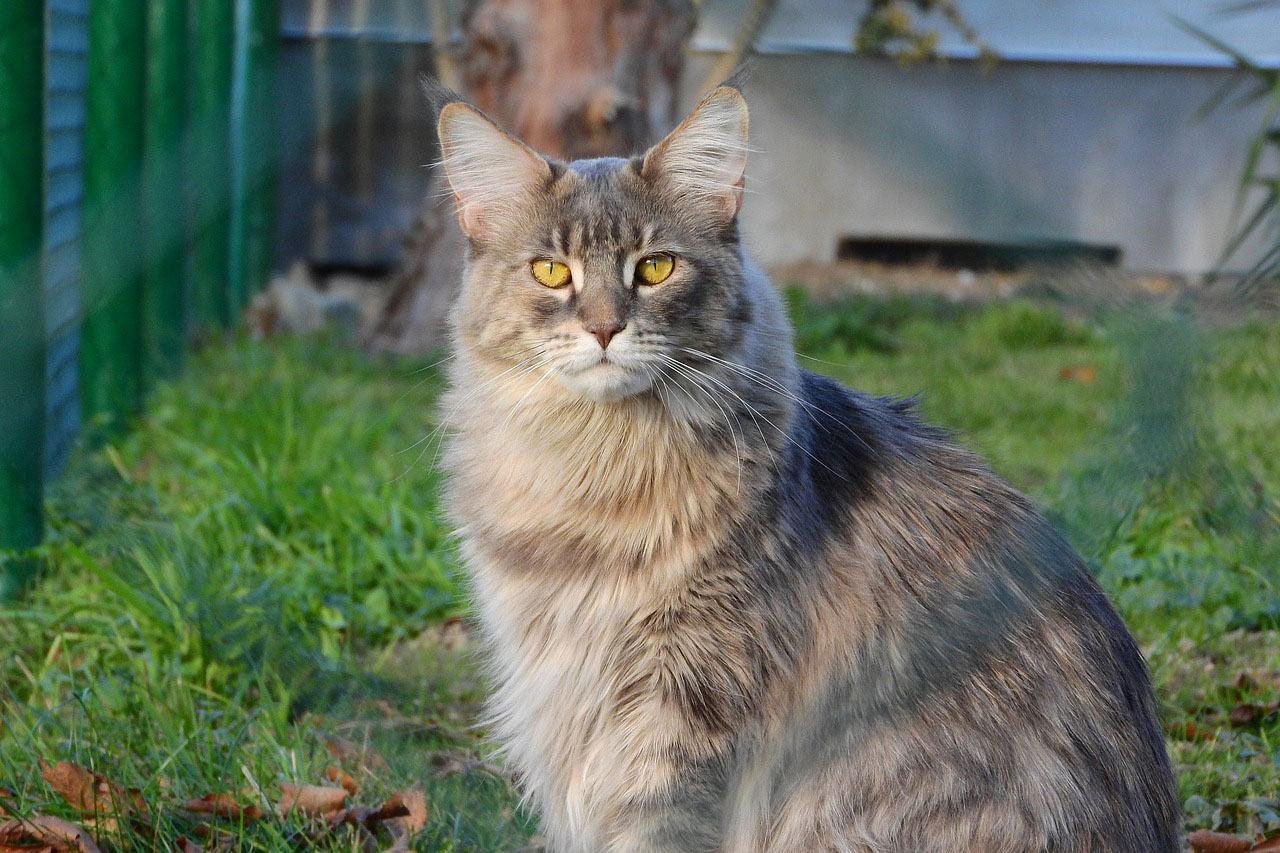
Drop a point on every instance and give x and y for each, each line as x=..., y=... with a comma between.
x=604, y=332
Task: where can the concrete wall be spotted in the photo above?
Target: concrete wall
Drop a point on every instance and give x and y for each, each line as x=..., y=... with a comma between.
x=1107, y=154
x=1123, y=31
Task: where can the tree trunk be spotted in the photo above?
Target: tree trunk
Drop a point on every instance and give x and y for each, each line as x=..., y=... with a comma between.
x=574, y=79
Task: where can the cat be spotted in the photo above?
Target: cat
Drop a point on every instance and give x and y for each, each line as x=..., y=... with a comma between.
x=729, y=604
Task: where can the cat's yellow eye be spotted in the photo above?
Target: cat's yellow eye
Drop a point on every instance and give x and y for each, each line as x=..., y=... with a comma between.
x=655, y=269
x=550, y=273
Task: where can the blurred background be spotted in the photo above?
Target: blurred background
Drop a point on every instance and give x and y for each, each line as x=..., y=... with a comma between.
x=225, y=259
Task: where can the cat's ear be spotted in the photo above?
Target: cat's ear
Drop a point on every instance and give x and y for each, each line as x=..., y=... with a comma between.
x=704, y=158
x=490, y=171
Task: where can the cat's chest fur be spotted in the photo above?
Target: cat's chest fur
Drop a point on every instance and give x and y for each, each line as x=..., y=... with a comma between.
x=585, y=575
x=577, y=703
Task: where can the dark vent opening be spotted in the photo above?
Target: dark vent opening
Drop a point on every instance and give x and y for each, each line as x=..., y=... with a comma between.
x=373, y=271
x=975, y=255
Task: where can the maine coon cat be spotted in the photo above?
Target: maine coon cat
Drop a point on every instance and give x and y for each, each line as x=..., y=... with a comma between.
x=730, y=604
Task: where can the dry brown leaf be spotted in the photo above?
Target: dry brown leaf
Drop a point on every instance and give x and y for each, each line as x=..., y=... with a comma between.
x=1246, y=712
x=1242, y=714
x=451, y=763
x=1243, y=681
x=186, y=845
x=103, y=828
x=1205, y=841
x=407, y=813
x=87, y=791
x=343, y=778
x=53, y=832
x=223, y=805
x=408, y=808
x=214, y=838
x=1190, y=730
x=1270, y=844
x=311, y=800
x=414, y=802
x=1085, y=374
x=346, y=752
x=365, y=820
x=354, y=816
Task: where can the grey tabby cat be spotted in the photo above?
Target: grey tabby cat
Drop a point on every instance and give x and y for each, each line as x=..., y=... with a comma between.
x=730, y=604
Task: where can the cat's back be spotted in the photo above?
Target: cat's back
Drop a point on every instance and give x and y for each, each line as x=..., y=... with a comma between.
x=992, y=698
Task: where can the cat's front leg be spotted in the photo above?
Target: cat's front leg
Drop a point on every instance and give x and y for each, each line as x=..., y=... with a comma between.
x=664, y=788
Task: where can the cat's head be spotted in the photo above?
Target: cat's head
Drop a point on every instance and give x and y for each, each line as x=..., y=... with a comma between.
x=600, y=272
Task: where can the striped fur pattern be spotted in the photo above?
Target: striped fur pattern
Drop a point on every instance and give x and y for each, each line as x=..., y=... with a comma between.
x=731, y=605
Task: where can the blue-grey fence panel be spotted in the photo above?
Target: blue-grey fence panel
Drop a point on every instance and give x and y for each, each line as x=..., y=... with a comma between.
x=67, y=43
x=354, y=148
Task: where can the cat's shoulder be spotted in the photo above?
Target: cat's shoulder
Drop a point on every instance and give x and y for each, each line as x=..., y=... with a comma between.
x=877, y=423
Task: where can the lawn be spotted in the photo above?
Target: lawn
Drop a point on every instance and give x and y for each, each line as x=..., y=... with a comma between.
x=252, y=584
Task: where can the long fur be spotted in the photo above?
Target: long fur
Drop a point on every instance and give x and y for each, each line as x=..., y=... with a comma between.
x=731, y=605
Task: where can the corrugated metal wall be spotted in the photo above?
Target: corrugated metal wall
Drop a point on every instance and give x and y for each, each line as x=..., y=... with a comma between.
x=67, y=45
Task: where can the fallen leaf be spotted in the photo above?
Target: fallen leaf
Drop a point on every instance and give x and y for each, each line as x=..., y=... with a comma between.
x=87, y=791
x=394, y=813
x=346, y=752
x=1242, y=714
x=1190, y=730
x=215, y=840
x=354, y=816
x=451, y=763
x=217, y=837
x=1243, y=681
x=1205, y=841
x=54, y=832
x=223, y=805
x=343, y=778
x=1246, y=712
x=1267, y=845
x=186, y=845
x=405, y=813
x=1085, y=374
x=414, y=802
x=311, y=800
x=446, y=764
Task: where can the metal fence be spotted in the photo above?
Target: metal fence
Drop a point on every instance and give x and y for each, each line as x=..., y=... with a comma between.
x=137, y=195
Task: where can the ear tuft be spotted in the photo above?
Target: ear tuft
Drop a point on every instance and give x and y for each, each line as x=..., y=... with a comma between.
x=490, y=171
x=438, y=95
x=705, y=157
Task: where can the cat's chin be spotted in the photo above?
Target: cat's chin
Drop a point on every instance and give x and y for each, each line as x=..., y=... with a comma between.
x=606, y=382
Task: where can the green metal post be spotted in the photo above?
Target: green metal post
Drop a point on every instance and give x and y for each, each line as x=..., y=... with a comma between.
x=163, y=302
x=210, y=91
x=263, y=133
x=253, y=146
x=22, y=354
x=110, y=338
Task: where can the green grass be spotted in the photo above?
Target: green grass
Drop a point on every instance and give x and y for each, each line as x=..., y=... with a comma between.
x=259, y=562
